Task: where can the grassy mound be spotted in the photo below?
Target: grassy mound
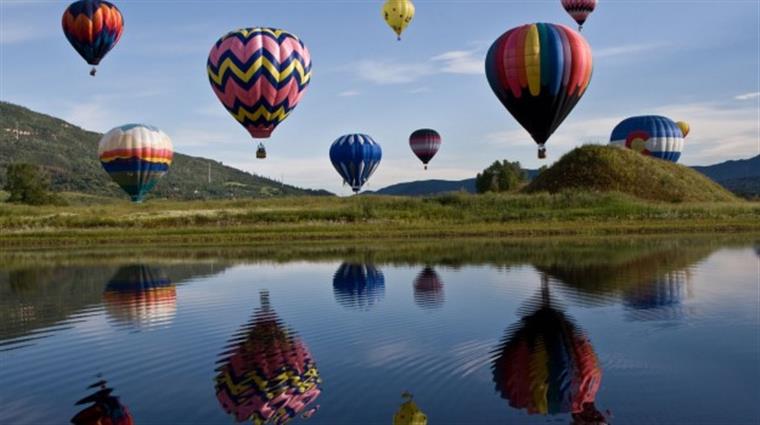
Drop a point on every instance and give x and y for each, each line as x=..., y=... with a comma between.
x=611, y=169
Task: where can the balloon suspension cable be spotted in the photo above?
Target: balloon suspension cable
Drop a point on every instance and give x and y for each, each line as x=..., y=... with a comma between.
x=264, y=300
x=93, y=71
x=545, y=299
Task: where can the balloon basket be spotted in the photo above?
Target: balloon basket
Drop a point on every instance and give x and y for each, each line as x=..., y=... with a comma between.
x=93, y=71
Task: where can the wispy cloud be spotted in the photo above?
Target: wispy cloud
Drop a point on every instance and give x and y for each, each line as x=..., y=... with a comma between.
x=748, y=96
x=418, y=90
x=392, y=72
x=349, y=93
x=460, y=62
x=627, y=49
x=14, y=32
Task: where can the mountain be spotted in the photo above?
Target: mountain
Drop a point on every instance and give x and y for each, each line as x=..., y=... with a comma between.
x=69, y=156
x=427, y=187
x=434, y=187
x=741, y=176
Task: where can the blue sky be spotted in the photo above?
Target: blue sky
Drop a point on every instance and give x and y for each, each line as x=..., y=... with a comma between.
x=697, y=61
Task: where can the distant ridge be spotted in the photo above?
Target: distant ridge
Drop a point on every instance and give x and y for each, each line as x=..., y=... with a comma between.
x=739, y=176
x=427, y=187
x=69, y=155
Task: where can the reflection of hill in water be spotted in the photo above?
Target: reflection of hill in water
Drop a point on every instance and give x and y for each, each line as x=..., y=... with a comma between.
x=651, y=282
x=33, y=298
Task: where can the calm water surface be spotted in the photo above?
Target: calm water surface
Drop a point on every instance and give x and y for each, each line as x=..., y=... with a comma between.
x=637, y=332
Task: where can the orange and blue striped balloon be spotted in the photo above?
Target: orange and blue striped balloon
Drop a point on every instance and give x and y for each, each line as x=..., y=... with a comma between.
x=93, y=27
x=136, y=156
x=539, y=73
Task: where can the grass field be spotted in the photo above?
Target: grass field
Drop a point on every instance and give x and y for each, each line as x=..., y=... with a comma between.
x=366, y=218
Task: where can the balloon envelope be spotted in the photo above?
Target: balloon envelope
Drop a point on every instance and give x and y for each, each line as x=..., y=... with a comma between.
x=136, y=156
x=141, y=296
x=355, y=157
x=358, y=285
x=579, y=10
x=398, y=14
x=103, y=408
x=93, y=27
x=650, y=135
x=425, y=144
x=259, y=75
x=546, y=365
x=539, y=72
x=428, y=289
x=268, y=374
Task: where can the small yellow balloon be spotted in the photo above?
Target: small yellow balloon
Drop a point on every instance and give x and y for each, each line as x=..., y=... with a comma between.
x=408, y=413
x=684, y=126
x=398, y=14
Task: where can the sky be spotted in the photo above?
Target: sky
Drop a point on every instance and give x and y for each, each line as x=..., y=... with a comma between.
x=697, y=61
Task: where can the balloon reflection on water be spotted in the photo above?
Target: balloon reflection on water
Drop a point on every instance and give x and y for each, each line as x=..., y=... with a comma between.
x=140, y=295
x=358, y=285
x=267, y=374
x=102, y=408
x=546, y=365
x=428, y=289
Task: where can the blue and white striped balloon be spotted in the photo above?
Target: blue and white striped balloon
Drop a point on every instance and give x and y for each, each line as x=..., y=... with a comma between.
x=355, y=157
x=650, y=135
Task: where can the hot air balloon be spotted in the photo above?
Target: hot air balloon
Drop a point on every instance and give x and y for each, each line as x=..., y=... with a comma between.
x=103, y=408
x=355, y=157
x=539, y=73
x=259, y=75
x=659, y=299
x=685, y=128
x=136, y=156
x=93, y=27
x=398, y=14
x=545, y=364
x=359, y=286
x=425, y=144
x=408, y=413
x=140, y=295
x=267, y=374
x=428, y=289
x=650, y=135
x=579, y=10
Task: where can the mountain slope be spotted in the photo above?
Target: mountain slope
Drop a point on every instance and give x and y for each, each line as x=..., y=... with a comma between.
x=427, y=187
x=729, y=170
x=69, y=155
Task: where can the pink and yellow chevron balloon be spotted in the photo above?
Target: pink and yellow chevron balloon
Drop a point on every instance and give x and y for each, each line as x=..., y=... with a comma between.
x=259, y=75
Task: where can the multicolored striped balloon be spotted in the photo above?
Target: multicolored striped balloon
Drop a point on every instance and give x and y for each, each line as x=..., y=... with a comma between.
x=651, y=135
x=140, y=295
x=546, y=365
x=539, y=73
x=93, y=27
x=355, y=157
x=425, y=144
x=259, y=75
x=136, y=156
x=579, y=10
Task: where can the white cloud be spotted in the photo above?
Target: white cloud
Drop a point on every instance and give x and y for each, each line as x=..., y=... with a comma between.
x=423, y=89
x=460, y=62
x=627, y=49
x=748, y=96
x=349, y=93
x=14, y=32
x=392, y=72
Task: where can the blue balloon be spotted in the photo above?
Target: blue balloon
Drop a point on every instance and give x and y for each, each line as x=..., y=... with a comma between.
x=355, y=157
x=358, y=285
x=650, y=135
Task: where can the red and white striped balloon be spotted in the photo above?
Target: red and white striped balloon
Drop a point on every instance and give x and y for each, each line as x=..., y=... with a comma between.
x=579, y=10
x=425, y=144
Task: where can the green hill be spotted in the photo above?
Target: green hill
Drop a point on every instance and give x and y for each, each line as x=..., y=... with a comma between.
x=69, y=155
x=611, y=169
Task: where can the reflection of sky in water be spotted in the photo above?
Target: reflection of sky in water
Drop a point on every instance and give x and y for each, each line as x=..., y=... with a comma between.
x=702, y=367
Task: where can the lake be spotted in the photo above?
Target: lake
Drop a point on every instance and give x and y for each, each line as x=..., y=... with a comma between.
x=625, y=331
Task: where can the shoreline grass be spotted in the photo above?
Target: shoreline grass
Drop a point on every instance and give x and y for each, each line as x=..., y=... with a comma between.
x=367, y=218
